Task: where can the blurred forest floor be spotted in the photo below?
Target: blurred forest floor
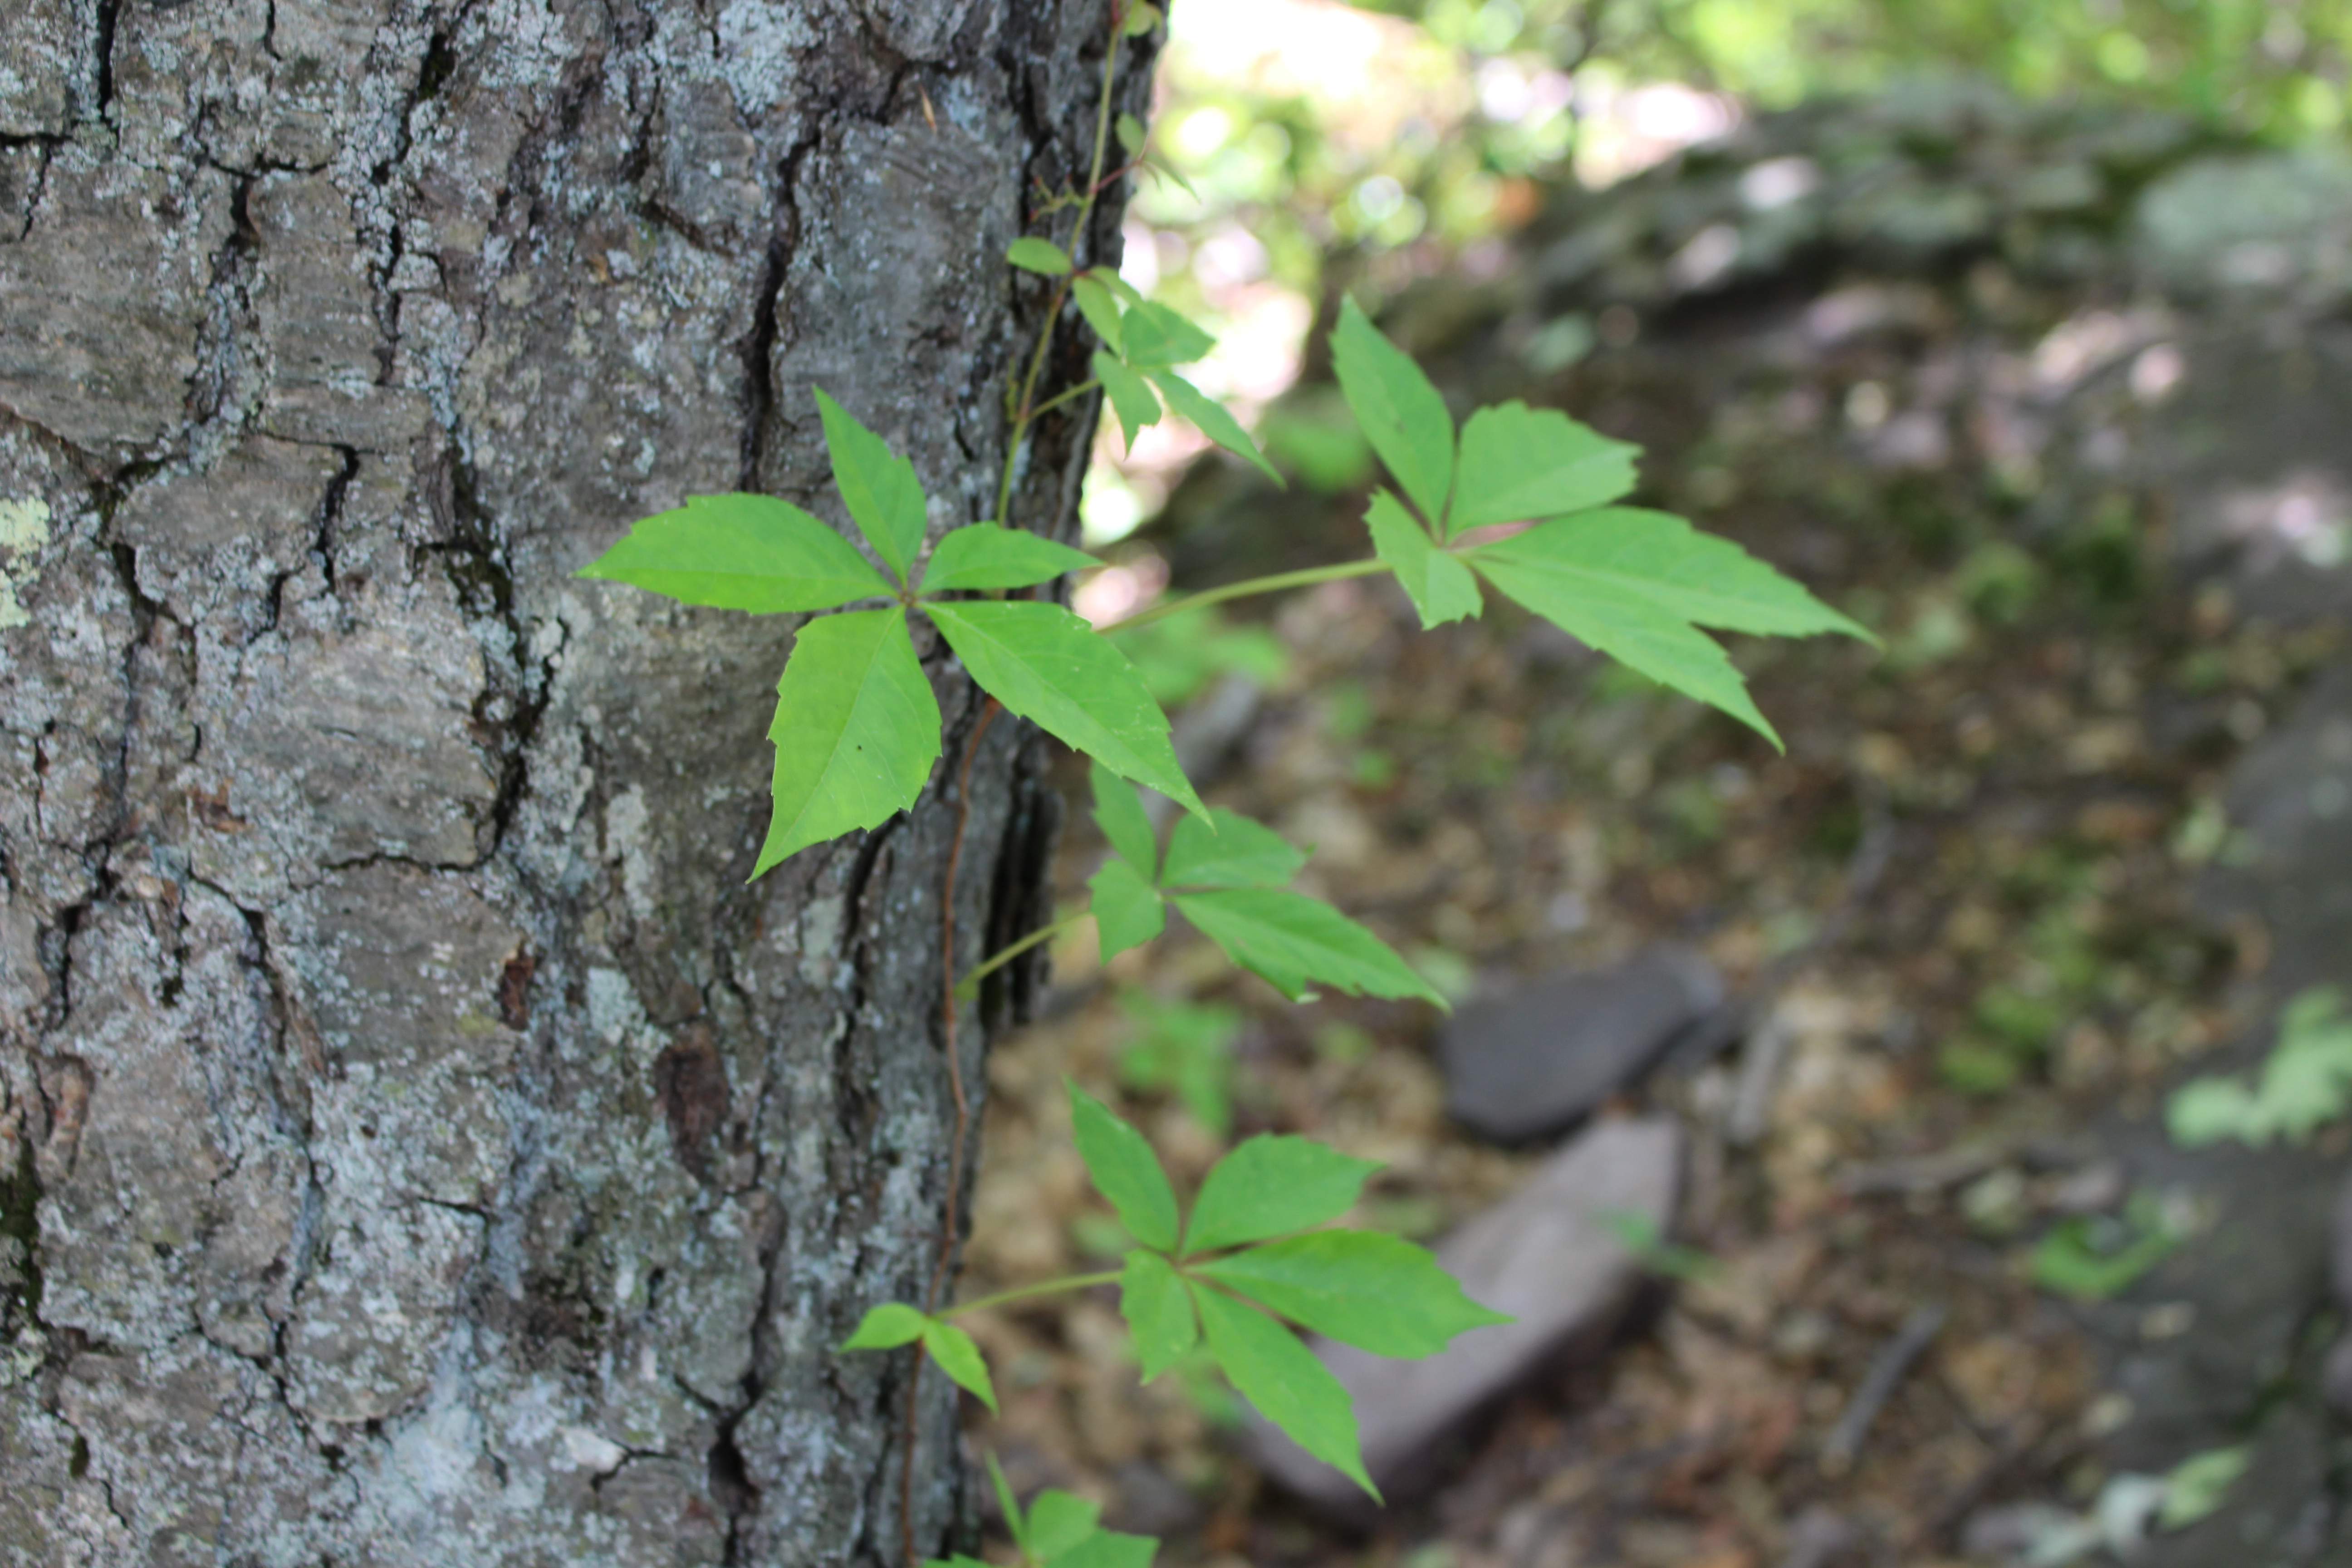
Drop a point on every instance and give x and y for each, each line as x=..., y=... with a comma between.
x=2010, y=386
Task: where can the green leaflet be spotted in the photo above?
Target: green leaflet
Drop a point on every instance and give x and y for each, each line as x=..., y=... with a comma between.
x=1109, y=279
x=1159, y=1312
x=1034, y=255
x=1101, y=311
x=1290, y=1388
x=886, y=1327
x=1291, y=941
x=1052, y=668
x=1128, y=912
x=1124, y=1171
x=1006, y=1503
x=1362, y=1288
x=1520, y=463
x=1141, y=20
x=878, y=486
x=894, y=1323
x=1212, y=418
x=741, y=552
x=1057, y=1521
x=1131, y=134
x=1270, y=1185
x=1118, y=812
x=1228, y=850
x=1636, y=585
x=986, y=555
x=1440, y=586
x=959, y=1359
x=1108, y=1549
x=1130, y=397
x=857, y=730
x=2306, y=1083
x=1156, y=337
x=1401, y=414
x=1635, y=632
x=1658, y=558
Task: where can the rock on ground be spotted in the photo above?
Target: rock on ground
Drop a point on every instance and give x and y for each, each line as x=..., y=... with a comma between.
x=1530, y=1063
x=1547, y=1256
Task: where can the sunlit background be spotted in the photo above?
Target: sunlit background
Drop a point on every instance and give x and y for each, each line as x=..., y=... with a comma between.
x=1364, y=146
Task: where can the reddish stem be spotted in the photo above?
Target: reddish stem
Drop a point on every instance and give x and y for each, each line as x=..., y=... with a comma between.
x=948, y=1021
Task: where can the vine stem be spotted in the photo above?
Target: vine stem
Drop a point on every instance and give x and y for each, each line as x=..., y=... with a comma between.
x=1024, y=415
x=947, y=1022
x=1049, y=1287
x=1247, y=587
x=1004, y=955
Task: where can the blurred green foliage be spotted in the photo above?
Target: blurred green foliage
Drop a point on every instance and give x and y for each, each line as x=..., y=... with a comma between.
x=2252, y=64
x=1427, y=119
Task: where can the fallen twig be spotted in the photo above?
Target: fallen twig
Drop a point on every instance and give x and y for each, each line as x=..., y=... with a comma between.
x=1895, y=1361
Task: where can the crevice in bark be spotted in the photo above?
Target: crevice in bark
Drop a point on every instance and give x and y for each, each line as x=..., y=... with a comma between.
x=108, y=11
x=20, y=1222
x=329, y=512
x=729, y=1477
x=37, y=188
x=223, y=396
x=760, y=342
x=507, y=714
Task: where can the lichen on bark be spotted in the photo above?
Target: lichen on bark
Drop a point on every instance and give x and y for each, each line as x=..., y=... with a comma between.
x=421, y=1145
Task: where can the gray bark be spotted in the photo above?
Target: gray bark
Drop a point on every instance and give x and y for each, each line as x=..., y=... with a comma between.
x=417, y=1143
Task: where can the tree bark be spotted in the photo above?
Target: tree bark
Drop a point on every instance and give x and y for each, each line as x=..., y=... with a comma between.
x=418, y=1146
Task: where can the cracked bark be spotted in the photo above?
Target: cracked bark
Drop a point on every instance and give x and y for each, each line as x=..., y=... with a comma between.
x=417, y=1143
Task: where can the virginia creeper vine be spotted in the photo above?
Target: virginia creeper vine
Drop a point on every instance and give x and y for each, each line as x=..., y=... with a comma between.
x=1518, y=500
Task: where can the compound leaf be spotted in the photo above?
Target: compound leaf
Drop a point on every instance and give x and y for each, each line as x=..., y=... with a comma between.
x=857, y=730
x=1127, y=908
x=1282, y=1377
x=987, y=555
x=1213, y=419
x=1292, y=940
x=878, y=487
x=1519, y=463
x=741, y=552
x=1228, y=850
x=1271, y=1185
x=1440, y=586
x=1034, y=255
x=1101, y=311
x=1377, y=1292
x=1158, y=337
x=886, y=1327
x=1057, y=1521
x=1052, y=668
x=1124, y=1171
x=1118, y=812
x=959, y=1359
x=1130, y=397
x=1159, y=1312
x=1400, y=413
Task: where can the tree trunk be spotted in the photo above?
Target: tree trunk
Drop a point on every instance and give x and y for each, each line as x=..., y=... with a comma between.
x=418, y=1146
